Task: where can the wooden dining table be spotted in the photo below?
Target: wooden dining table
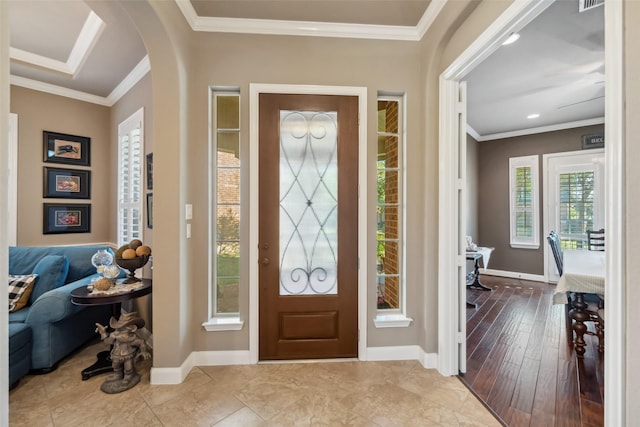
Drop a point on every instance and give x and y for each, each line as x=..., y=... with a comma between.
x=583, y=273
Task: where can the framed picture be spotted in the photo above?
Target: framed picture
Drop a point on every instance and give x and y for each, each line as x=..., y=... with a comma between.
x=67, y=183
x=66, y=218
x=67, y=149
x=149, y=210
x=150, y=171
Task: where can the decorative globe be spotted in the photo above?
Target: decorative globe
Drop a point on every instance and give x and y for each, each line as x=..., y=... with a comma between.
x=101, y=259
x=111, y=271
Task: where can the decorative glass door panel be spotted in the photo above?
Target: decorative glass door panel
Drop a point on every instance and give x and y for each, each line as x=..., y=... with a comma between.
x=308, y=202
x=308, y=175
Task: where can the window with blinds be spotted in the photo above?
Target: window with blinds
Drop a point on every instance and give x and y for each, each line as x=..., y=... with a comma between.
x=524, y=210
x=130, y=178
x=576, y=207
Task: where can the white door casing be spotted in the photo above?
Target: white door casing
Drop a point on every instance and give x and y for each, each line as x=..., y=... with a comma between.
x=515, y=17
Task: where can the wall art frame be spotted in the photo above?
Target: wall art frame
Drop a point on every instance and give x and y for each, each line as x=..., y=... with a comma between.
x=149, y=166
x=60, y=218
x=150, y=210
x=66, y=149
x=66, y=183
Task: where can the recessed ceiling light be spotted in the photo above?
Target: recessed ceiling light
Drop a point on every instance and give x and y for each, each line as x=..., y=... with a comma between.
x=511, y=39
x=533, y=116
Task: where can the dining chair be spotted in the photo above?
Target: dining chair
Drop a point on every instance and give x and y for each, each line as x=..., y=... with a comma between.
x=595, y=304
x=556, y=249
x=595, y=239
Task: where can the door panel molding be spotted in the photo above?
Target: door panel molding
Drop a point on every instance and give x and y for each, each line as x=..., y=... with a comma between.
x=255, y=91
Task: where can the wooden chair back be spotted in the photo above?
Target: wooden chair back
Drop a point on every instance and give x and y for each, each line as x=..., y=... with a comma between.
x=595, y=239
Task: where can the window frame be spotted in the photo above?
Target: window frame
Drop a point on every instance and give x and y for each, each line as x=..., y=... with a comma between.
x=136, y=120
x=220, y=321
x=532, y=162
x=572, y=167
x=395, y=317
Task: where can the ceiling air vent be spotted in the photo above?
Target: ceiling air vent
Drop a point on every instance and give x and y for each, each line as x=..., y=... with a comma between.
x=589, y=4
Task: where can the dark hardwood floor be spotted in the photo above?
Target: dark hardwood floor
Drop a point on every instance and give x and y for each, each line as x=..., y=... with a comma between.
x=520, y=362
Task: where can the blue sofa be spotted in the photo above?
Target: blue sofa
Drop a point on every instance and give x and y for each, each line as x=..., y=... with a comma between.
x=50, y=327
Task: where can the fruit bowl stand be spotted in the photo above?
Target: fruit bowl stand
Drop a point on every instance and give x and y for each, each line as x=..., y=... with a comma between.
x=132, y=264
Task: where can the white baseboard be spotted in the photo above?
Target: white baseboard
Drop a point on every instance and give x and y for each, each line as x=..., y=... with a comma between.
x=242, y=357
x=405, y=352
x=514, y=275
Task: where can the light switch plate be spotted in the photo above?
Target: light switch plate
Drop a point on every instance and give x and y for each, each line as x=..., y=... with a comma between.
x=188, y=211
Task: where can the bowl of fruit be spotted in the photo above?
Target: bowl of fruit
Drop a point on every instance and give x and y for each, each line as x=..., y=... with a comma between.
x=132, y=256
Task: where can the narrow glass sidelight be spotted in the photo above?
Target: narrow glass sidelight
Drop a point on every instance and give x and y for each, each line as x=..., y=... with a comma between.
x=308, y=203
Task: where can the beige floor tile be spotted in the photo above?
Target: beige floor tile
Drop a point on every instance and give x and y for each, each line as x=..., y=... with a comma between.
x=200, y=406
x=156, y=395
x=245, y=417
x=369, y=394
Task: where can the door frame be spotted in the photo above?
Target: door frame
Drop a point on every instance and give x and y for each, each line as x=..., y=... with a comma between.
x=514, y=17
x=547, y=217
x=255, y=89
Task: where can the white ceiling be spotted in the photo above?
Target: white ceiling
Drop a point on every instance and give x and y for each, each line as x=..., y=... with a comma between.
x=91, y=51
x=555, y=69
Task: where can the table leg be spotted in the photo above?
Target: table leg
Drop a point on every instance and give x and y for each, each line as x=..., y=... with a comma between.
x=579, y=315
x=104, y=364
x=476, y=278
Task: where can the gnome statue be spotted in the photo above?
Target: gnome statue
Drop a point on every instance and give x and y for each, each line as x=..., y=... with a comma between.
x=127, y=347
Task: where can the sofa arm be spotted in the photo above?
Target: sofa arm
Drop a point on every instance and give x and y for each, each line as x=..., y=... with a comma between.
x=55, y=305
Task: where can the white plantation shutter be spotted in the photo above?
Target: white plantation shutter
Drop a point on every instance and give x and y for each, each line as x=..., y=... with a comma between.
x=130, y=181
x=523, y=202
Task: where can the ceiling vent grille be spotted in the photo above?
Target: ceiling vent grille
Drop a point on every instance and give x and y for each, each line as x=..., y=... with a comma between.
x=589, y=4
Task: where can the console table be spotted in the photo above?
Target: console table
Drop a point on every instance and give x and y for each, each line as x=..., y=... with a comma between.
x=480, y=254
x=83, y=296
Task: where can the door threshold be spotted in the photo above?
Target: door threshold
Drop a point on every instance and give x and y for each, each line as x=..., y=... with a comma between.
x=280, y=362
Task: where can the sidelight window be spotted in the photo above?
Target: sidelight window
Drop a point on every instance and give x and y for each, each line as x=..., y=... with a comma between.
x=389, y=207
x=225, y=208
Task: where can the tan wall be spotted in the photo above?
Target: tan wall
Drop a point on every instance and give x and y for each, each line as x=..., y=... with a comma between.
x=493, y=191
x=166, y=37
x=472, y=187
x=39, y=111
x=238, y=60
x=631, y=291
x=138, y=97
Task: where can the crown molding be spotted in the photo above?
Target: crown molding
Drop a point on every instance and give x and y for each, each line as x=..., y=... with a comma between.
x=138, y=72
x=58, y=90
x=429, y=17
x=309, y=28
x=86, y=40
x=541, y=129
x=39, y=61
x=471, y=131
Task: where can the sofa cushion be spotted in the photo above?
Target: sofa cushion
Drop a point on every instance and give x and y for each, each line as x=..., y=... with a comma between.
x=20, y=287
x=52, y=272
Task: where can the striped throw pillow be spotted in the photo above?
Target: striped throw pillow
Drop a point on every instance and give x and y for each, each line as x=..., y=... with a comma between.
x=20, y=288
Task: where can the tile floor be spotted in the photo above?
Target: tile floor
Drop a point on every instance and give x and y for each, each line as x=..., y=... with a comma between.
x=292, y=394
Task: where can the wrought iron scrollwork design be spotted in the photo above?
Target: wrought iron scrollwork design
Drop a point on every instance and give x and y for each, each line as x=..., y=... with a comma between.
x=308, y=202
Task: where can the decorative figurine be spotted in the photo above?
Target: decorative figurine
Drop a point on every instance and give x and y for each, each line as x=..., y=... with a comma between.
x=127, y=348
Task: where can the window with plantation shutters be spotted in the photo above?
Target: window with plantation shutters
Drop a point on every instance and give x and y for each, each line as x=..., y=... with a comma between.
x=523, y=202
x=130, y=178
